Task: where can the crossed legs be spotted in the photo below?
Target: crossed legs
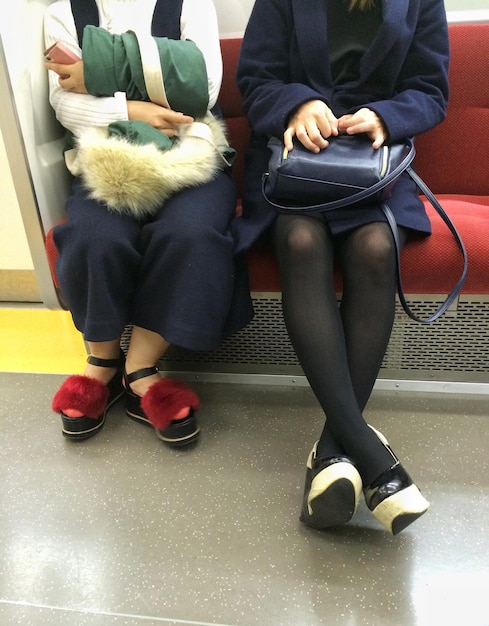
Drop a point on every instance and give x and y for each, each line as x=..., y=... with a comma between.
x=340, y=348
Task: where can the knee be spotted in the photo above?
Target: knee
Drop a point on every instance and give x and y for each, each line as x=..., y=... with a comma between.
x=185, y=235
x=376, y=253
x=299, y=243
x=83, y=247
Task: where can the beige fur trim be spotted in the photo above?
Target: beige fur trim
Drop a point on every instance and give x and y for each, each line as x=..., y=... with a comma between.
x=137, y=179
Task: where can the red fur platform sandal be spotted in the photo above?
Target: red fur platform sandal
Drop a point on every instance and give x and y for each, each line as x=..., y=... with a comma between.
x=160, y=405
x=90, y=397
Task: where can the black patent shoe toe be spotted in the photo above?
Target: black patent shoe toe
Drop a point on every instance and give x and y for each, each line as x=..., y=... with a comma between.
x=395, y=500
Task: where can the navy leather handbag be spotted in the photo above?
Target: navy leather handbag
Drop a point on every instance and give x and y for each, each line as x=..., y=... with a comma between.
x=348, y=173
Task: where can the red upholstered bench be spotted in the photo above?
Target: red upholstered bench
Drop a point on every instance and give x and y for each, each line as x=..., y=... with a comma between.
x=454, y=160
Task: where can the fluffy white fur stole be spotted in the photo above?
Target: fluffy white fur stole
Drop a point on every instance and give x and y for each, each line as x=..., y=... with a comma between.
x=137, y=179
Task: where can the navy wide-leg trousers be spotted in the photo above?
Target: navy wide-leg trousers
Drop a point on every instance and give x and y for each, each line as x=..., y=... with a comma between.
x=175, y=274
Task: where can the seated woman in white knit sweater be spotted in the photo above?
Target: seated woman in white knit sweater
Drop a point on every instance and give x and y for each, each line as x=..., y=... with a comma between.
x=171, y=272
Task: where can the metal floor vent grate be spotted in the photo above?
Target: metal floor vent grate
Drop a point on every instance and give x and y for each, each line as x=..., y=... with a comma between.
x=455, y=347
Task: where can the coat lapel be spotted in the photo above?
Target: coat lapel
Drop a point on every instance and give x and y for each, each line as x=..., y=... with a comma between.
x=393, y=20
x=310, y=17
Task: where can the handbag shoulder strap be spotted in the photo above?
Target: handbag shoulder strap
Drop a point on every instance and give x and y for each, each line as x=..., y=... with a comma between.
x=441, y=212
x=84, y=12
x=166, y=17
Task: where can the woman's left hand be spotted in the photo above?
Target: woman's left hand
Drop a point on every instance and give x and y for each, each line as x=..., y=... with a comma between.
x=364, y=121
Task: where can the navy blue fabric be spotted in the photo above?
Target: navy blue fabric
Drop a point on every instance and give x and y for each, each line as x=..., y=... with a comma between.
x=176, y=275
x=84, y=12
x=166, y=17
x=403, y=77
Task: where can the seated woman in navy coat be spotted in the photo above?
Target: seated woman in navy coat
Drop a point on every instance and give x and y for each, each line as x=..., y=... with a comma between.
x=310, y=70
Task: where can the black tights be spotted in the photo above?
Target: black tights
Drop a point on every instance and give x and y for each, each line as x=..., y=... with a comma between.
x=340, y=348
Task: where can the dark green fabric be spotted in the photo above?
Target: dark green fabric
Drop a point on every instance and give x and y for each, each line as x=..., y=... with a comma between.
x=113, y=63
x=141, y=133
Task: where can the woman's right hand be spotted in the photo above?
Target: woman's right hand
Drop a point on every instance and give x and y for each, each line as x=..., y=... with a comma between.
x=157, y=116
x=70, y=76
x=312, y=123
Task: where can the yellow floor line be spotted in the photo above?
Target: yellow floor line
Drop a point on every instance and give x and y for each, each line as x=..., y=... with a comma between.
x=41, y=341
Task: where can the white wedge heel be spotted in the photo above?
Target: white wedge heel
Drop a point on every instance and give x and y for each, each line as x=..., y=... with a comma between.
x=393, y=498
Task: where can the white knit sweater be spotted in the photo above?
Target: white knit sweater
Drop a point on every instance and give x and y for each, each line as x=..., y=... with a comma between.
x=79, y=111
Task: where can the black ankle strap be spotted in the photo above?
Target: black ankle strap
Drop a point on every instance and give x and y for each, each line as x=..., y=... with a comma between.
x=142, y=373
x=95, y=360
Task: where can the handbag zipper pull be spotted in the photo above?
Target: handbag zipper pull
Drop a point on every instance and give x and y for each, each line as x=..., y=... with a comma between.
x=385, y=161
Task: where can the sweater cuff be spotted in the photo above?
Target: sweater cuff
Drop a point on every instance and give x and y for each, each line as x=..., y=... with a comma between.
x=120, y=98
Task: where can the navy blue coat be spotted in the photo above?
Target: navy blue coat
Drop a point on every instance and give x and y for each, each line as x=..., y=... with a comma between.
x=403, y=78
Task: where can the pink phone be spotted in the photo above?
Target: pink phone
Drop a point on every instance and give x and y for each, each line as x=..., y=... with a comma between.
x=59, y=53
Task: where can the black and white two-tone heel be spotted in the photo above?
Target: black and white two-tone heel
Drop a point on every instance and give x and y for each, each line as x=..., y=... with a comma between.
x=393, y=498
x=332, y=491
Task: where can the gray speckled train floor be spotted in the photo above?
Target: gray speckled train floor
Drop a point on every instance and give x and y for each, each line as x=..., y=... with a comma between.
x=120, y=530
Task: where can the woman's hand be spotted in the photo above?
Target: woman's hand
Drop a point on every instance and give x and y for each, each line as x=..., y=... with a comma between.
x=364, y=121
x=70, y=76
x=157, y=116
x=312, y=124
